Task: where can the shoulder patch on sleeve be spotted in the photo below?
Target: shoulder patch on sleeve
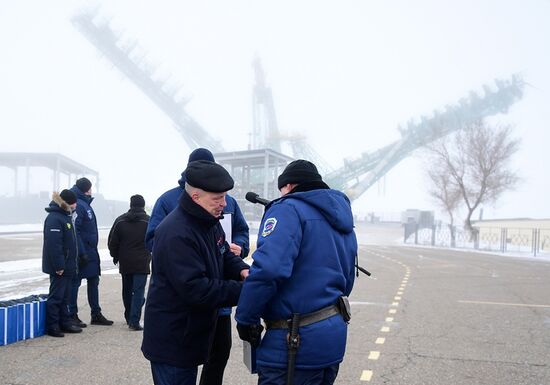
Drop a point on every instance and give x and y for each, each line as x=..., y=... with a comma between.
x=269, y=226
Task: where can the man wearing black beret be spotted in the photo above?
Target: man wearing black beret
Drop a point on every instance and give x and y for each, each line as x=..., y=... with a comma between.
x=194, y=274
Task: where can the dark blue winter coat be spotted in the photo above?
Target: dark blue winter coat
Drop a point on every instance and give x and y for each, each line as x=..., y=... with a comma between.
x=304, y=261
x=86, y=229
x=193, y=274
x=169, y=200
x=60, y=250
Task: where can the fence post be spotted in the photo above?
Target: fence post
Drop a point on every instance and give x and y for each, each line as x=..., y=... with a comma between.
x=433, y=235
x=416, y=234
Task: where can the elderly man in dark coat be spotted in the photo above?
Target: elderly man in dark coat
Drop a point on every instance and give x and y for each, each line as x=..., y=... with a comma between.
x=194, y=273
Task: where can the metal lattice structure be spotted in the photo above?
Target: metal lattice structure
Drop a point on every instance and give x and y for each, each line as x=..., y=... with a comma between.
x=161, y=92
x=356, y=176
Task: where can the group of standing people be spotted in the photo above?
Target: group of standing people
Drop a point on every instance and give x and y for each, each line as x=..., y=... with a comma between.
x=69, y=255
x=298, y=283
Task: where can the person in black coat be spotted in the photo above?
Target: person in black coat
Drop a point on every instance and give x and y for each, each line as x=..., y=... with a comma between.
x=126, y=244
x=194, y=273
x=59, y=260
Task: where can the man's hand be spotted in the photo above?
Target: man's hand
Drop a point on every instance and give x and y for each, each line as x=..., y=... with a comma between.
x=244, y=273
x=250, y=333
x=59, y=272
x=115, y=261
x=235, y=249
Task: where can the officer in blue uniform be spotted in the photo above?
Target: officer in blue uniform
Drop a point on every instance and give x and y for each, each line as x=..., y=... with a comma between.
x=303, y=270
x=59, y=260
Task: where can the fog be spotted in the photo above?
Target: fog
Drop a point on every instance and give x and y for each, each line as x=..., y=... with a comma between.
x=344, y=73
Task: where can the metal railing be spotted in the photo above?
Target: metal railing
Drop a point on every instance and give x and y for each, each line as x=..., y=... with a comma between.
x=533, y=241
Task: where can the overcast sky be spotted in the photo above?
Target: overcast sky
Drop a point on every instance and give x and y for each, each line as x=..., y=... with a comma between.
x=345, y=73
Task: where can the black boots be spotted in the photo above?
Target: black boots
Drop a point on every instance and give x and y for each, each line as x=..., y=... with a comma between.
x=71, y=328
x=78, y=322
x=99, y=319
x=135, y=327
x=55, y=333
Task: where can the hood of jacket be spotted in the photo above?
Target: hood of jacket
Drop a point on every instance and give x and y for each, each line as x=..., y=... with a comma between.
x=80, y=195
x=58, y=204
x=136, y=214
x=332, y=204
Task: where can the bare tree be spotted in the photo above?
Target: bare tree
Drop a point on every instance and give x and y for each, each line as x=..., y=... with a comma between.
x=445, y=193
x=473, y=165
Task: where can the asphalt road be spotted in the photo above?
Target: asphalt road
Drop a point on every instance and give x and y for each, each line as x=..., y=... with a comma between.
x=426, y=316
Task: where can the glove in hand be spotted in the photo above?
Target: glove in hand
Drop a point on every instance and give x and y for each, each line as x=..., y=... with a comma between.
x=250, y=333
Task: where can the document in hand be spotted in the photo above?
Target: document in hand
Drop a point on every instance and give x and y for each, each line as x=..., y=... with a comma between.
x=249, y=357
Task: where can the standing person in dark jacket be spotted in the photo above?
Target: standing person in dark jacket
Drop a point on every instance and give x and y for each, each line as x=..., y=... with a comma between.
x=194, y=273
x=127, y=247
x=303, y=266
x=89, y=263
x=59, y=260
x=212, y=371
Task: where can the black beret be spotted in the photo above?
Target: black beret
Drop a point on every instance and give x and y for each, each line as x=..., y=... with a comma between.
x=299, y=171
x=208, y=176
x=68, y=196
x=84, y=184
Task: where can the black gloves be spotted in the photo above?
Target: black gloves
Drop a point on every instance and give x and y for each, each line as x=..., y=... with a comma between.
x=250, y=333
x=82, y=260
x=115, y=260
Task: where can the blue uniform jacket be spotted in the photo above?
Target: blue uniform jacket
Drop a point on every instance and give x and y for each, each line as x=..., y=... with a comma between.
x=193, y=274
x=60, y=249
x=86, y=229
x=169, y=200
x=304, y=261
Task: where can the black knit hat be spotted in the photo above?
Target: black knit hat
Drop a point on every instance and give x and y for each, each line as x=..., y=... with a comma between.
x=208, y=176
x=201, y=154
x=83, y=184
x=137, y=201
x=299, y=171
x=68, y=196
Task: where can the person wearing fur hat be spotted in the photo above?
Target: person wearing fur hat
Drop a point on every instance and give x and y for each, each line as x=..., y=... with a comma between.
x=126, y=244
x=194, y=274
x=59, y=260
x=212, y=371
x=89, y=262
x=303, y=271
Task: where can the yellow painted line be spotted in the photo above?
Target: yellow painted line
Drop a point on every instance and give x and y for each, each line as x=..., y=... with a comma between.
x=389, y=319
x=380, y=340
x=392, y=311
x=397, y=298
x=374, y=355
x=395, y=304
x=505, y=304
x=400, y=292
x=366, y=375
x=385, y=329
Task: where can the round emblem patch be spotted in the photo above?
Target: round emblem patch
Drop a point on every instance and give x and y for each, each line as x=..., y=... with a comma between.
x=269, y=226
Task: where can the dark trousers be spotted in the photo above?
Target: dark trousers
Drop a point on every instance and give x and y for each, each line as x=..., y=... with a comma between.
x=57, y=306
x=277, y=376
x=93, y=295
x=164, y=374
x=212, y=371
x=133, y=296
